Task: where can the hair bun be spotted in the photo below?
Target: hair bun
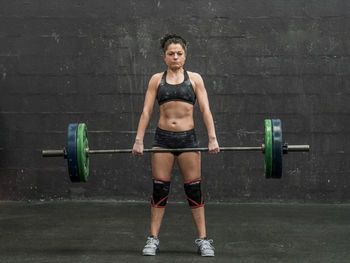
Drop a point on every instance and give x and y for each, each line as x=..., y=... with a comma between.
x=176, y=38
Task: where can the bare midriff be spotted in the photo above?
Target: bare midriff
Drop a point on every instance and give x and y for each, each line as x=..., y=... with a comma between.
x=176, y=116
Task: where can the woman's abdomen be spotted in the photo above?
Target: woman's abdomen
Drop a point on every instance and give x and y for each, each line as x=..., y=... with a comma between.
x=176, y=116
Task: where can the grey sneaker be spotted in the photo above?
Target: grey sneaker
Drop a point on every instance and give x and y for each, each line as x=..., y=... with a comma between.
x=205, y=249
x=152, y=246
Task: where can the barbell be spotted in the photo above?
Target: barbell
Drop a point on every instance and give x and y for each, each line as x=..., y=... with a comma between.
x=77, y=151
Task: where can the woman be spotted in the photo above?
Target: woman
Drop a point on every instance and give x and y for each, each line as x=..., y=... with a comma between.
x=176, y=91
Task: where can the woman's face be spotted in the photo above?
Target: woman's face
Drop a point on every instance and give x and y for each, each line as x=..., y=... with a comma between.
x=175, y=56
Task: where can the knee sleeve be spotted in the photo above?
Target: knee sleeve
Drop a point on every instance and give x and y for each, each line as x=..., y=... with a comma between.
x=160, y=193
x=194, y=193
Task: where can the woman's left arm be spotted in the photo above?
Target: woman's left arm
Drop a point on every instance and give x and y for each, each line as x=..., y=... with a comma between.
x=204, y=107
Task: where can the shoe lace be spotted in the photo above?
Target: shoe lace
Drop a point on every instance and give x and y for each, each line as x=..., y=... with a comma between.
x=151, y=242
x=205, y=243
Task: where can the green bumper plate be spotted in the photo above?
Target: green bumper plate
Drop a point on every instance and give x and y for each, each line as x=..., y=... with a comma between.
x=82, y=157
x=268, y=149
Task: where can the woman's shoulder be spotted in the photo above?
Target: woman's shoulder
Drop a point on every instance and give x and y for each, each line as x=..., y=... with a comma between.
x=158, y=75
x=155, y=79
x=195, y=77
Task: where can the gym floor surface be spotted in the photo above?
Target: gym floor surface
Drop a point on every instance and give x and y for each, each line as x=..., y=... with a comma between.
x=109, y=231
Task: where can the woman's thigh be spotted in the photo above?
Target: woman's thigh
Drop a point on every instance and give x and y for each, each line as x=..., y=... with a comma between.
x=190, y=165
x=162, y=165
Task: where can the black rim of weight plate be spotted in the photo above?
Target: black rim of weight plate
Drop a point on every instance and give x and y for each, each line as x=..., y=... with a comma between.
x=277, y=148
x=72, y=152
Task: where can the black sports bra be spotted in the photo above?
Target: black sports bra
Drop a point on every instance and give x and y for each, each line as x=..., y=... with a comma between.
x=176, y=92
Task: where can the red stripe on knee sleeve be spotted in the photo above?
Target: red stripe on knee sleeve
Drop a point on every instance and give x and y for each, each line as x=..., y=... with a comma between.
x=192, y=181
x=196, y=204
x=162, y=180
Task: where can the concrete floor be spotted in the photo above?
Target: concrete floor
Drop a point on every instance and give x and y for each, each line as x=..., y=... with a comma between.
x=108, y=231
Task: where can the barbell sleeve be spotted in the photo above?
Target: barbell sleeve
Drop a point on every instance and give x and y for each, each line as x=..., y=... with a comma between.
x=298, y=148
x=54, y=153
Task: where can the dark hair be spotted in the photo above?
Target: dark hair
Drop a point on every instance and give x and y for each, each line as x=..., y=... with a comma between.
x=172, y=39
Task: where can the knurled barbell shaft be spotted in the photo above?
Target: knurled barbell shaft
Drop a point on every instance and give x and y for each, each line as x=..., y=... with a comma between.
x=62, y=153
x=259, y=148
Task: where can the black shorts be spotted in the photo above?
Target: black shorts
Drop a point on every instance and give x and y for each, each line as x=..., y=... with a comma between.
x=172, y=140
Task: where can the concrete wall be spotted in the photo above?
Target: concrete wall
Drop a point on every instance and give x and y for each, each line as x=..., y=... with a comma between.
x=90, y=61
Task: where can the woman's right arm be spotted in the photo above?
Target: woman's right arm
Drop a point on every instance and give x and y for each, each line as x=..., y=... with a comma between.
x=146, y=113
